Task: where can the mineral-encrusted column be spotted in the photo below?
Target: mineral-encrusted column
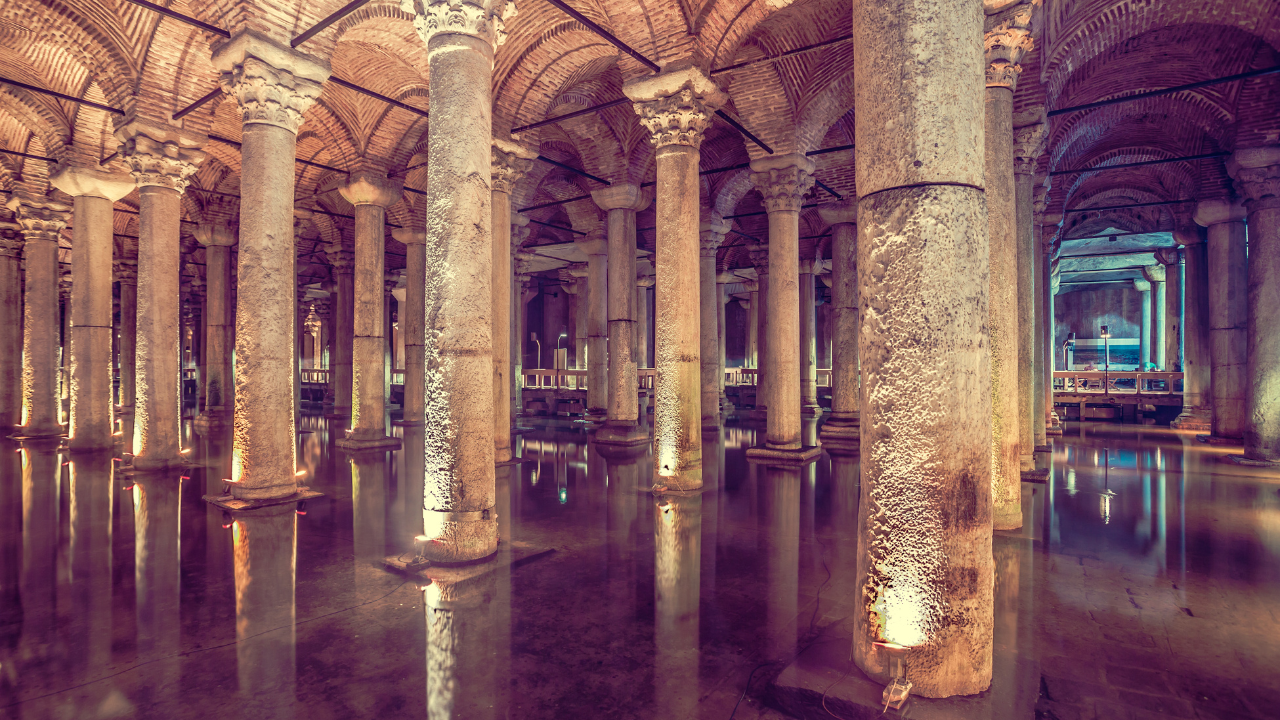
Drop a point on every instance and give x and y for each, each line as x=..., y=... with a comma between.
x=64, y=366
x=1144, y=322
x=1005, y=44
x=1197, y=369
x=508, y=164
x=342, y=264
x=677, y=107
x=621, y=426
x=41, y=222
x=1257, y=178
x=593, y=309
x=371, y=194
x=126, y=271
x=711, y=232
x=217, y=239
x=840, y=432
x=1028, y=144
x=1154, y=274
x=925, y=514
x=782, y=181
x=460, y=484
x=759, y=308
x=10, y=326
x=91, y=323
x=412, y=323
x=161, y=159
x=273, y=86
x=808, y=341
x=1228, y=274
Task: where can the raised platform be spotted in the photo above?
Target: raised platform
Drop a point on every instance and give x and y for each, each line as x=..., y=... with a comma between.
x=383, y=443
x=234, y=504
x=788, y=458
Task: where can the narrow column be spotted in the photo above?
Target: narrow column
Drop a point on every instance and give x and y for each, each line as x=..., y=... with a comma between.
x=272, y=95
x=1053, y=425
x=1228, y=274
x=759, y=308
x=808, y=341
x=593, y=316
x=840, y=431
x=711, y=232
x=1028, y=144
x=752, y=306
x=782, y=182
x=1041, y=366
x=10, y=326
x=1154, y=274
x=412, y=323
x=1197, y=367
x=676, y=107
x=371, y=193
x=342, y=265
x=127, y=275
x=925, y=513
x=219, y=384
x=1144, y=322
x=1257, y=178
x=161, y=160
x=64, y=358
x=41, y=222
x=301, y=309
x=722, y=299
x=643, y=329
x=622, y=425
x=91, y=324
x=508, y=164
x=461, y=485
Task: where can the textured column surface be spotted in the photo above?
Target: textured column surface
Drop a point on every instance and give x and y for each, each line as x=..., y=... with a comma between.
x=759, y=308
x=808, y=341
x=1257, y=178
x=622, y=424
x=643, y=283
x=722, y=299
x=1197, y=367
x=1041, y=366
x=1028, y=142
x=677, y=107
x=509, y=163
x=272, y=96
x=925, y=574
x=41, y=221
x=1144, y=322
x=91, y=322
x=1228, y=275
x=412, y=323
x=459, y=494
x=342, y=263
x=1155, y=275
x=842, y=427
x=10, y=326
x=161, y=161
x=219, y=384
x=593, y=312
x=711, y=232
x=371, y=194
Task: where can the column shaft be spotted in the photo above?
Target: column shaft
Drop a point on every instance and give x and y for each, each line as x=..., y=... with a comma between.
x=760, y=308
x=1197, y=366
x=39, y=336
x=1041, y=366
x=596, y=303
x=808, y=343
x=624, y=410
x=1228, y=323
x=413, y=323
x=1256, y=172
x=344, y=336
x=708, y=348
x=129, y=342
x=722, y=298
x=1159, y=325
x=782, y=332
x=1027, y=252
x=157, y=437
x=91, y=325
x=220, y=334
x=369, y=344
x=10, y=328
x=844, y=324
x=500, y=282
x=642, y=325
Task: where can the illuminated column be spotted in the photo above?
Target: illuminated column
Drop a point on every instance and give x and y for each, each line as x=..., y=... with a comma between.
x=91, y=323
x=127, y=275
x=808, y=341
x=711, y=232
x=508, y=164
x=412, y=322
x=840, y=431
x=371, y=194
x=1257, y=177
x=677, y=540
x=1155, y=275
x=621, y=427
x=925, y=513
x=759, y=256
x=1028, y=145
x=1228, y=274
x=676, y=108
x=460, y=486
x=593, y=316
x=342, y=265
x=10, y=326
x=41, y=222
x=273, y=86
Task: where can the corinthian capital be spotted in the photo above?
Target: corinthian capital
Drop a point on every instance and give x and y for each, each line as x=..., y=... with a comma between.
x=484, y=19
x=39, y=218
x=272, y=83
x=159, y=161
x=783, y=180
x=675, y=107
x=1007, y=42
x=1028, y=145
x=1256, y=172
x=509, y=163
x=10, y=239
x=711, y=232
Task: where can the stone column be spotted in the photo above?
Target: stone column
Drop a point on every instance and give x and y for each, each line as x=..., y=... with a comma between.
x=840, y=431
x=711, y=232
x=10, y=326
x=925, y=513
x=593, y=316
x=41, y=221
x=508, y=164
x=1053, y=425
x=371, y=193
x=752, y=306
x=219, y=383
x=1028, y=144
x=127, y=275
x=90, y=369
x=1144, y=322
x=643, y=284
x=722, y=299
x=622, y=425
x=461, y=485
x=1257, y=178
x=782, y=182
x=64, y=358
x=1197, y=366
x=161, y=160
x=808, y=341
x=759, y=308
x=273, y=86
x=1228, y=274
x=342, y=265
x=1005, y=45
x=676, y=107
x=1154, y=274
x=1041, y=365
x=412, y=321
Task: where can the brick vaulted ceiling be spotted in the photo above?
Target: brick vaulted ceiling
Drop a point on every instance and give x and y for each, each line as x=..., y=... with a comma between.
x=132, y=58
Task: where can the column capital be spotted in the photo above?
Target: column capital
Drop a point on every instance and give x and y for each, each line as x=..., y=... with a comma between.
x=410, y=236
x=391, y=279
x=759, y=257
x=82, y=182
x=783, y=180
x=215, y=234
x=1218, y=210
x=1167, y=256
x=320, y=306
x=10, y=239
x=1153, y=273
x=126, y=271
x=645, y=281
x=1256, y=172
x=711, y=232
x=520, y=230
x=483, y=19
x=340, y=258
x=622, y=196
x=509, y=162
x=1028, y=145
x=159, y=156
x=1006, y=43
x=676, y=106
x=841, y=212
x=1141, y=285
x=39, y=218
x=594, y=243
x=523, y=262
x=272, y=83
x=724, y=278
x=64, y=284
x=365, y=187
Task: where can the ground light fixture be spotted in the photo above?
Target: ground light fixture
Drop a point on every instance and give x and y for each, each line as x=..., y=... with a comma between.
x=898, y=691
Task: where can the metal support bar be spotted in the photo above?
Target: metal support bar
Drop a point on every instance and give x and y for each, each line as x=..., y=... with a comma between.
x=424, y=163
x=1100, y=168
x=780, y=56
x=196, y=105
x=60, y=96
x=570, y=168
x=826, y=187
x=29, y=156
x=824, y=151
x=554, y=203
x=181, y=18
x=1122, y=207
x=569, y=116
x=605, y=34
x=318, y=27
x=352, y=86
x=1167, y=91
x=747, y=133
x=558, y=227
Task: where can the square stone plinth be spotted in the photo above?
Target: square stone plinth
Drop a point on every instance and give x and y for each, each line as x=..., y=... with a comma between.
x=513, y=555
x=786, y=458
x=621, y=436
x=234, y=504
x=380, y=443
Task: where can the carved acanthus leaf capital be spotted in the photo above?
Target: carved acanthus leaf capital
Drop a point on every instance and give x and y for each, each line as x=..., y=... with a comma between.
x=1028, y=145
x=509, y=164
x=10, y=239
x=711, y=232
x=1258, y=186
x=483, y=19
x=1007, y=43
x=39, y=218
x=759, y=257
x=677, y=107
x=160, y=164
x=268, y=94
x=783, y=181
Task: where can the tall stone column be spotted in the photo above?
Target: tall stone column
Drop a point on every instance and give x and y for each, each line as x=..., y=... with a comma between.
x=593, y=316
x=10, y=326
x=1154, y=274
x=1228, y=274
x=90, y=369
x=1052, y=424
x=126, y=271
x=342, y=266
x=1257, y=178
x=1042, y=360
x=161, y=160
x=461, y=485
x=643, y=283
x=722, y=299
x=371, y=193
x=782, y=182
x=622, y=424
x=64, y=366
x=840, y=431
x=808, y=341
x=1197, y=366
x=1005, y=44
x=41, y=221
x=759, y=257
x=219, y=383
x=508, y=164
x=711, y=232
x=1144, y=321
x=273, y=85
x=752, y=306
x=676, y=108
x=925, y=513
x=1028, y=144
x=412, y=321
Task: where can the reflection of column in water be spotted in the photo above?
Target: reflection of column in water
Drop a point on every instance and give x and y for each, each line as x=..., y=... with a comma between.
x=265, y=548
x=39, y=544
x=462, y=656
x=369, y=515
x=11, y=527
x=217, y=469
x=1161, y=544
x=713, y=489
x=844, y=513
x=90, y=506
x=677, y=559
x=1008, y=575
x=505, y=478
x=157, y=499
x=412, y=479
x=779, y=494
x=624, y=501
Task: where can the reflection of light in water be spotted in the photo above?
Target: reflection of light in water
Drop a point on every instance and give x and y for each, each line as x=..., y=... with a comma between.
x=1104, y=508
x=1071, y=481
x=564, y=495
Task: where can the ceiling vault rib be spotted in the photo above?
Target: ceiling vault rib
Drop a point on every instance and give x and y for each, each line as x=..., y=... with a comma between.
x=593, y=27
x=1167, y=91
x=320, y=26
x=181, y=18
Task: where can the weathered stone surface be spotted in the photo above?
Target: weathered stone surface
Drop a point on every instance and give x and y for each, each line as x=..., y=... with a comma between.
x=711, y=232
x=40, y=221
x=622, y=424
x=1228, y=273
x=844, y=307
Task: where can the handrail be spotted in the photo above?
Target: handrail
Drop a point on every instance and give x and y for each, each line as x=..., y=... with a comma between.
x=1116, y=382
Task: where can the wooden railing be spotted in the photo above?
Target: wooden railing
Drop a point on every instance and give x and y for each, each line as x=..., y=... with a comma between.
x=315, y=376
x=1115, y=382
x=747, y=376
x=570, y=379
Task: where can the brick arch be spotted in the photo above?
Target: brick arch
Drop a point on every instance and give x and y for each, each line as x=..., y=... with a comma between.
x=526, y=84
x=88, y=36
x=1191, y=123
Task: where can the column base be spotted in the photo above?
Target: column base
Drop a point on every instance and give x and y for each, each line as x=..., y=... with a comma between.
x=621, y=435
x=810, y=411
x=207, y=421
x=25, y=433
x=1193, y=420
x=407, y=423
x=1220, y=440
x=384, y=442
x=710, y=426
x=456, y=575
x=771, y=456
x=154, y=463
x=1251, y=462
x=595, y=415
x=1044, y=448
x=460, y=536
x=233, y=504
x=1026, y=462
x=841, y=437
x=1040, y=477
